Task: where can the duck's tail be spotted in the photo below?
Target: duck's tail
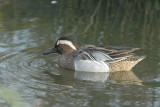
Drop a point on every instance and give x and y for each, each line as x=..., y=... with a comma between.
x=135, y=60
x=126, y=64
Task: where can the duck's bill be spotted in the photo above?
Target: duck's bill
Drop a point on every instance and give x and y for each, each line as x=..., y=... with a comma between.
x=53, y=50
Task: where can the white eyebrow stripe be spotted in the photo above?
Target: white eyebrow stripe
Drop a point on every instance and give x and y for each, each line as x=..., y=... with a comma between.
x=66, y=42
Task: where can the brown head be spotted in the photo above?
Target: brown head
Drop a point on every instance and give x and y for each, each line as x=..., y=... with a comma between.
x=63, y=45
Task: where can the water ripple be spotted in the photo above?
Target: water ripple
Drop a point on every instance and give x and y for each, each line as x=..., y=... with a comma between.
x=23, y=62
x=24, y=69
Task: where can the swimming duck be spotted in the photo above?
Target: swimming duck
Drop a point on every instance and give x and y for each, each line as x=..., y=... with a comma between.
x=94, y=58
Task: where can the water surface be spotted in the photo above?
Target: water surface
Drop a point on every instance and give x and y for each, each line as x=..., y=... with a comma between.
x=28, y=28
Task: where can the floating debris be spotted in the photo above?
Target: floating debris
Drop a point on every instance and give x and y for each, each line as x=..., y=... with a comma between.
x=53, y=2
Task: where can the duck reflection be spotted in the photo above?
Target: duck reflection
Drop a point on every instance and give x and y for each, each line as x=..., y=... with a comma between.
x=124, y=77
x=120, y=77
x=92, y=76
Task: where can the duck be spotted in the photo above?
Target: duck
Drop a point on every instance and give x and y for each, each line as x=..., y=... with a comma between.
x=91, y=58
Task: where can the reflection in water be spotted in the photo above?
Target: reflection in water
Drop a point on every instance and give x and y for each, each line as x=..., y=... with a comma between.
x=27, y=28
x=63, y=77
x=121, y=77
x=23, y=72
x=9, y=98
x=125, y=77
x=91, y=76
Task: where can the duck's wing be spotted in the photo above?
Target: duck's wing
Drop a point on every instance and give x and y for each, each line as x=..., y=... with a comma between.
x=120, y=53
x=107, y=54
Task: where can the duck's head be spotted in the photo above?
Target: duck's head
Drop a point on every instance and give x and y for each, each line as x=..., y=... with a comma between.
x=63, y=45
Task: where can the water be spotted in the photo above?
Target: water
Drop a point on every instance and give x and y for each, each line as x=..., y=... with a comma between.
x=29, y=79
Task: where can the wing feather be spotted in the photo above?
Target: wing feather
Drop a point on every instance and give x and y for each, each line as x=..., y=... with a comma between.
x=106, y=54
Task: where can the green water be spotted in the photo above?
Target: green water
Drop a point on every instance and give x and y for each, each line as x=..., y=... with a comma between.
x=28, y=28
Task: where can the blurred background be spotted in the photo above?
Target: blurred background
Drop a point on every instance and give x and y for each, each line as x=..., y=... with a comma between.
x=28, y=28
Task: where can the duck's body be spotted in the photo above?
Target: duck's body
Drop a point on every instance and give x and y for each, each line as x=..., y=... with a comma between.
x=94, y=58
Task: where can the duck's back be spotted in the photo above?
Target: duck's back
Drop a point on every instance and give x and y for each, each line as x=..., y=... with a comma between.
x=100, y=59
x=117, y=59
